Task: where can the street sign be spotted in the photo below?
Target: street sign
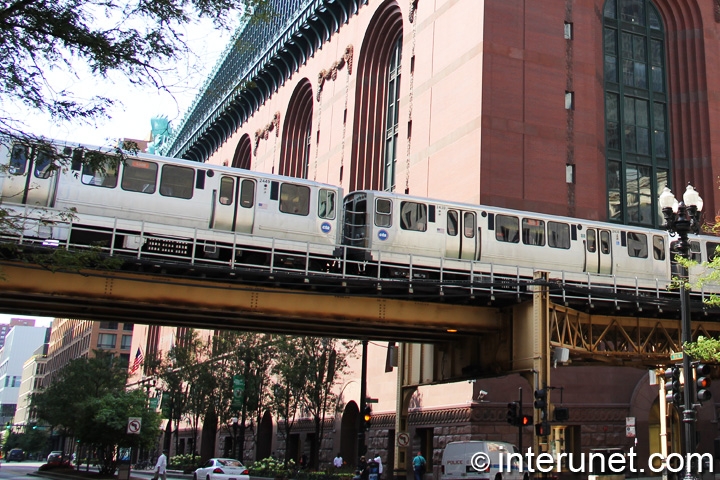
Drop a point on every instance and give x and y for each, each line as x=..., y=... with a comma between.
x=134, y=424
x=676, y=356
x=403, y=439
x=371, y=400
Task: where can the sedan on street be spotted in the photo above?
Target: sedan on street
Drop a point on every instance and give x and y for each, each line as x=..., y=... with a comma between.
x=222, y=469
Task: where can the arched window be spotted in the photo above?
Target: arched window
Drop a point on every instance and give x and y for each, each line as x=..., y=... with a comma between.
x=636, y=113
x=243, y=153
x=375, y=120
x=297, y=133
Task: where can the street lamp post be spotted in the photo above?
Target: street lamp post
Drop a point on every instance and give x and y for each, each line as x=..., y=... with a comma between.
x=681, y=219
x=235, y=427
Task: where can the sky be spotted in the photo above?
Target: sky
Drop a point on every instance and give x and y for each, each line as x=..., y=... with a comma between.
x=39, y=321
x=131, y=118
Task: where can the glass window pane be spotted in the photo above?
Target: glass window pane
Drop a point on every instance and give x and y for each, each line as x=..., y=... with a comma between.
x=452, y=223
x=533, y=231
x=43, y=164
x=507, y=229
x=640, y=75
x=629, y=139
x=18, y=160
x=611, y=107
x=654, y=20
x=633, y=11
x=294, y=199
x=227, y=190
x=659, y=116
x=643, y=140
x=326, y=204
x=610, y=41
x=139, y=176
x=626, y=43
x=383, y=209
x=645, y=198
x=413, y=216
x=656, y=55
x=639, y=48
x=659, y=144
x=104, y=176
x=611, y=68
x=469, y=224
x=558, y=235
x=628, y=73
x=177, y=181
x=641, y=113
x=658, y=247
x=615, y=208
x=657, y=79
x=247, y=193
x=591, y=241
x=637, y=245
x=610, y=10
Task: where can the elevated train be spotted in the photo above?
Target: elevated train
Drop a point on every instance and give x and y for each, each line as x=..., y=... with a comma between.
x=150, y=205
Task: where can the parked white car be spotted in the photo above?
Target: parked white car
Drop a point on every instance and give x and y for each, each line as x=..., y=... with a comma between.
x=222, y=469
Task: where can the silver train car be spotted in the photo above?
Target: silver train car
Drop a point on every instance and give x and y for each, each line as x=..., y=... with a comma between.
x=395, y=230
x=141, y=196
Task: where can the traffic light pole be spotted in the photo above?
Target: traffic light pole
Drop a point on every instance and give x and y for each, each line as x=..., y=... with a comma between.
x=689, y=405
x=520, y=425
x=363, y=402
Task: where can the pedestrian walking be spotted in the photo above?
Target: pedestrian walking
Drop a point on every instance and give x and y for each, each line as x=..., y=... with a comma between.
x=419, y=464
x=338, y=461
x=161, y=466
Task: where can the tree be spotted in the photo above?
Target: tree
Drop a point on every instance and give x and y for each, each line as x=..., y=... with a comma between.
x=141, y=41
x=88, y=400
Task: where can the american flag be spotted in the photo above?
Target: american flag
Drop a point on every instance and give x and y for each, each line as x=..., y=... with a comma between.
x=138, y=361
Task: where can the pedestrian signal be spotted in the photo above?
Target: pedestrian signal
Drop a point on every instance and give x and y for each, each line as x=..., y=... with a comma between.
x=526, y=420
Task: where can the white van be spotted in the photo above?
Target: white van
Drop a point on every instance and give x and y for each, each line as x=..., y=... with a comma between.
x=480, y=460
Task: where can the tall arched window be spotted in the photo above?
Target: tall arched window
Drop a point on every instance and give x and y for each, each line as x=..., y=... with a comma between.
x=636, y=116
x=391, y=116
x=296, y=133
x=243, y=153
x=375, y=120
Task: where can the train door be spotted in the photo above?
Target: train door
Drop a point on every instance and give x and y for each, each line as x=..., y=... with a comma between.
x=31, y=177
x=598, y=257
x=461, y=235
x=234, y=204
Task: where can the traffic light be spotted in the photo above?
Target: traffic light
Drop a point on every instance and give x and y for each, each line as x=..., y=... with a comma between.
x=542, y=429
x=526, y=420
x=562, y=414
x=512, y=414
x=702, y=374
x=673, y=392
x=540, y=399
x=367, y=417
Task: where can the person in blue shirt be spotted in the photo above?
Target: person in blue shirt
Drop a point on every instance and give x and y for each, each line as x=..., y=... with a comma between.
x=419, y=466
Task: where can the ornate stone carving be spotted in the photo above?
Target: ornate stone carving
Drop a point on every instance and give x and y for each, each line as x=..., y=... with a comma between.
x=264, y=133
x=331, y=73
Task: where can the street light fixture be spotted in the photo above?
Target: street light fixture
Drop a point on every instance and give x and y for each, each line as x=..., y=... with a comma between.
x=681, y=219
x=235, y=427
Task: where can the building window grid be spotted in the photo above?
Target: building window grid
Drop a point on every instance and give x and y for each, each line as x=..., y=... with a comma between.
x=636, y=111
x=392, y=116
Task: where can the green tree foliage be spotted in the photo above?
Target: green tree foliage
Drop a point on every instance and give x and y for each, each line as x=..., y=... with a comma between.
x=141, y=41
x=88, y=400
x=704, y=349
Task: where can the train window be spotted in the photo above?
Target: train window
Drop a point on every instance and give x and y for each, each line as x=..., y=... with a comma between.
x=77, y=155
x=43, y=164
x=558, y=235
x=247, y=193
x=604, y=242
x=507, y=229
x=469, y=224
x=326, y=204
x=383, y=212
x=533, y=231
x=294, y=199
x=711, y=249
x=637, y=245
x=103, y=175
x=413, y=216
x=695, y=252
x=658, y=247
x=227, y=190
x=591, y=240
x=177, y=181
x=139, y=176
x=18, y=160
x=452, y=223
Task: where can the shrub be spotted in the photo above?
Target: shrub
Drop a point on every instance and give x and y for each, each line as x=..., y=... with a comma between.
x=273, y=468
x=186, y=462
